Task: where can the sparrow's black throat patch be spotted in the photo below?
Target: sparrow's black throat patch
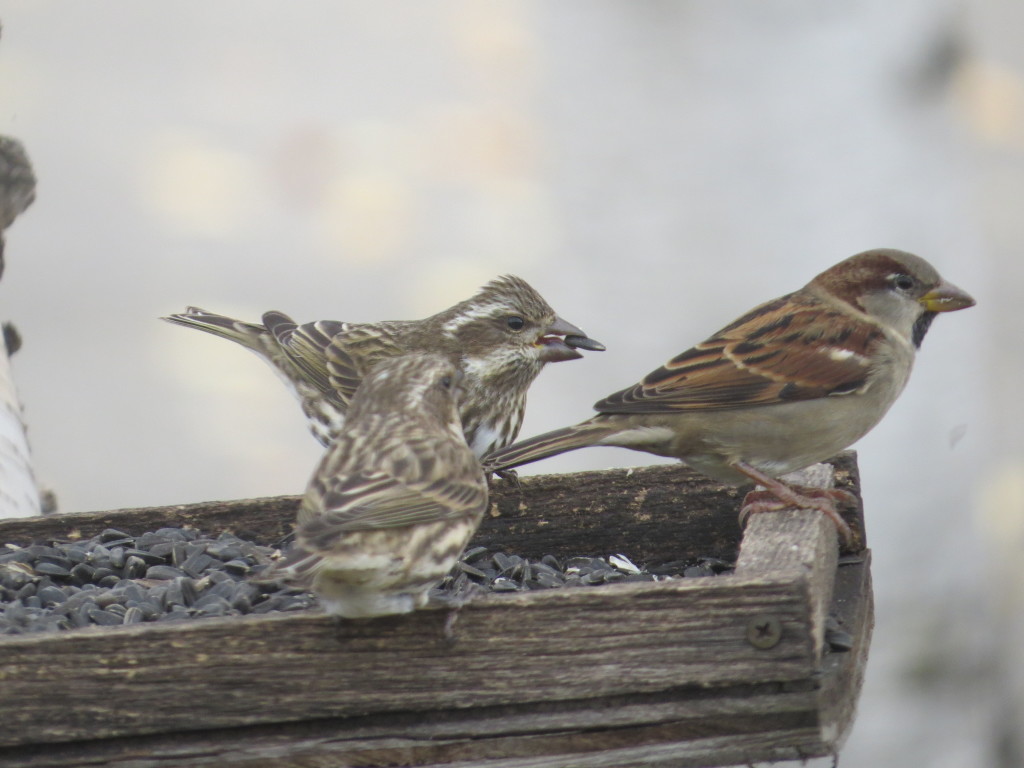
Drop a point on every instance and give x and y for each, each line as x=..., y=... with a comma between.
x=921, y=327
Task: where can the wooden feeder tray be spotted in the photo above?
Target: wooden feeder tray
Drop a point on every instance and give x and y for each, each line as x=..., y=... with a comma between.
x=706, y=671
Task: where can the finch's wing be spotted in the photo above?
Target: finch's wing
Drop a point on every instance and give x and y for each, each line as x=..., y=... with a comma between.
x=436, y=482
x=305, y=345
x=351, y=355
x=773, y=354
x=339, y=504
x=379, y=504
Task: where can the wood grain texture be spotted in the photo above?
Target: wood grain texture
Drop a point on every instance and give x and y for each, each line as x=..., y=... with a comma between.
x=621, y=675
x=799, y=543
x=658, y=514
x=261, y=520
x=663, y=746
x=853, y=608
x=541, y=646
x=699, y=726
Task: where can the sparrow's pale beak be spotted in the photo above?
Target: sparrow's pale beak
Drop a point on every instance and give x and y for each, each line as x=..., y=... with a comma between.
x=946, y=297
x=561, y=339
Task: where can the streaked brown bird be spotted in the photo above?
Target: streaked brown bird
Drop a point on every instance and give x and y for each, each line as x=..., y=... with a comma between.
x=395, y=498
x=787, y=385
x=503, y=337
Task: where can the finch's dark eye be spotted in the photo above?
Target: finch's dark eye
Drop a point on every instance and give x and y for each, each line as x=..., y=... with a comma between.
x=515, y=323
x=446, y=382
x=903, y=282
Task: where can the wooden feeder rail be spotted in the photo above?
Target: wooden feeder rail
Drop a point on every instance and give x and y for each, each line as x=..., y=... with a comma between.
x=708, y=671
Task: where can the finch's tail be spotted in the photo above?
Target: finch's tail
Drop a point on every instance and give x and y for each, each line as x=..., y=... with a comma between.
x=249, y=335
x=549, y=444
x=297, y=567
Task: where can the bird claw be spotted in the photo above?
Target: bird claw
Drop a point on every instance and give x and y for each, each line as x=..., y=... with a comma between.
x=454, y=604
x=509, y=476
x=450, y=621
x=338, y=626
x=824, y=500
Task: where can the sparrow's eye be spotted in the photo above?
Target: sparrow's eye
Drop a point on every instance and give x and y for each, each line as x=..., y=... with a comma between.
x=446, y=382
x=515, y=323
x=903, y=282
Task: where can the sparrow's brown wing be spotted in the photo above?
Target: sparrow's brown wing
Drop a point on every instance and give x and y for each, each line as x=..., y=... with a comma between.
x=793, y=348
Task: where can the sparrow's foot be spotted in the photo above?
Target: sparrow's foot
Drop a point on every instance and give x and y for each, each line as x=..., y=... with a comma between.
x=778, y=496
x=820, y=499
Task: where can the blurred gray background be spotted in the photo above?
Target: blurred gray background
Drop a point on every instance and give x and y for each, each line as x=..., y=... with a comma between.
x=654, y=168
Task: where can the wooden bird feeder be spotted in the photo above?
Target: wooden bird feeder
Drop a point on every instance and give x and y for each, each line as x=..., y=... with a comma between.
x=707, y=671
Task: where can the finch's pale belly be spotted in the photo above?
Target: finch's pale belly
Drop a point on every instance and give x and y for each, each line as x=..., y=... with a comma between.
x=393, y=569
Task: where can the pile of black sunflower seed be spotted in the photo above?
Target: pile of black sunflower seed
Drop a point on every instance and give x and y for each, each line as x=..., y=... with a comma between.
x=178, y=573
x=479, y=567
x=116, y=578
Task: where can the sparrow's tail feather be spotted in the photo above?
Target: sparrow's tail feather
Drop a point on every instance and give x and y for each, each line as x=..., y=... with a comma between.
x=546, y=445
x=248, y=335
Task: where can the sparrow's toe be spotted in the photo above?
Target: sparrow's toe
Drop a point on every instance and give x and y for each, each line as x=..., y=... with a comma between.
x=822, y=500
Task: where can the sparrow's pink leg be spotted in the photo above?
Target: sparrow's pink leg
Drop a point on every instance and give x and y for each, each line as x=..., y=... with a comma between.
x=823, y=500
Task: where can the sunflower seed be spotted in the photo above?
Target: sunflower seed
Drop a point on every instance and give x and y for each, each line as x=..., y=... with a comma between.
x=82, y=573
x=584, y=342
x=76, y=554
x=134, y=568
x=147, y=557
x=134, y=615
x=163, y=572
x=51, y=595
x=27, y=591
x=224, y=550
x=51, y=569
x=237, y=566
x=623, y=563
x=111, y=534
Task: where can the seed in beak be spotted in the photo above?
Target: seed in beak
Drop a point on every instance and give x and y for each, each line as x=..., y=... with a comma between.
x=584, y=342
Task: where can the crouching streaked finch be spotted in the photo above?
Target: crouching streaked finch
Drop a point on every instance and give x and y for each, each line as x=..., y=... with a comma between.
x=503, y=336
x=395, y=498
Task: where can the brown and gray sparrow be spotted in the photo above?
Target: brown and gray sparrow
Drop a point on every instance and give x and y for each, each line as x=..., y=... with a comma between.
x=787, y=385
x=503, y=337
x=395, y=498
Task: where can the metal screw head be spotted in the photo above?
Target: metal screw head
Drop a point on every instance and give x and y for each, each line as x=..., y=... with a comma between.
x=764, y=631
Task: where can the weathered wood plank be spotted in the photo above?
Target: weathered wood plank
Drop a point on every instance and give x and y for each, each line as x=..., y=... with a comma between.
x=712, y=725
x=658, y=514
x=853, y=608
x=622, y=675
x=541, y=646
x=677, y=716
x=695, y=753
x=798, y=543
x=261, y=520
x=786, y=743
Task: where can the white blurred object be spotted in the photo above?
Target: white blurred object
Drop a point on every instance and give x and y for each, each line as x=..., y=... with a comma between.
x=19, y=494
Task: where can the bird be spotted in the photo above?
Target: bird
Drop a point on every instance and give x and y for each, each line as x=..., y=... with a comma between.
x=503, y=336
x=789, y=384
x=395, y=497
x=17, y=186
